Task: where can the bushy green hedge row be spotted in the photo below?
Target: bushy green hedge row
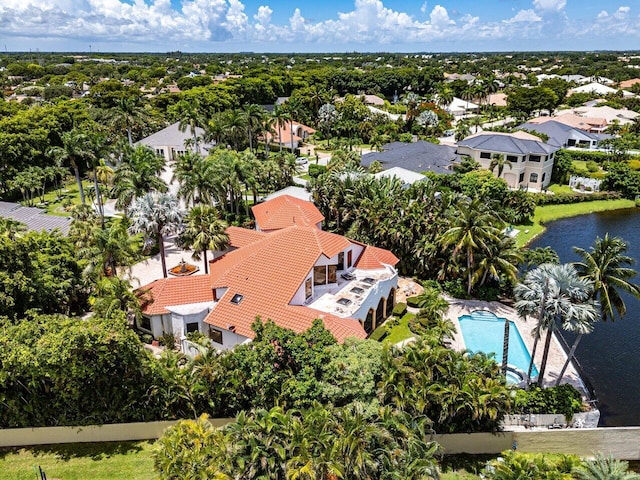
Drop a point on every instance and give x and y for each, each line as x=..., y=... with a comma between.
x=315, y=170
x=564, y=198
x=563, y=399
x=400, y=309
x=587, y=155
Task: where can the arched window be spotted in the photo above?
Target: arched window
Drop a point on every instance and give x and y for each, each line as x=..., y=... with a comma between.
x=533, y=178
x=391, y=302
x=380, y=311
x=368, y=323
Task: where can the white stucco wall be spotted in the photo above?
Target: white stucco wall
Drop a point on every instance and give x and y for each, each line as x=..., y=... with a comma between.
x=379, y=290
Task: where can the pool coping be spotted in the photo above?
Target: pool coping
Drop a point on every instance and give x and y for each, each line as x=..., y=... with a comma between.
x=557, y=355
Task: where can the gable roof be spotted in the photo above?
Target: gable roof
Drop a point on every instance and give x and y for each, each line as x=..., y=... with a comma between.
x=418, y=157
x=167, y=292
x=268, y=273
x=559, y=133
x=519, y=143
x=169, y=136
x=284, y=211
x=34, y=218
x=573, y=120
x=239, y=237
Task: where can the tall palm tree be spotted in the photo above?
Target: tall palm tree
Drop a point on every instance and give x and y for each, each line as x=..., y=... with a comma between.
x=499, y=161
x=554, y=293
x=156, y=215
x=193, y=172
x=609, y=268
x=473, y=228
x=127, y=112
x=138, y=174
x=204, y=230
x=190, y=117
x=235, y=124
x=281, y=118
x=75, y=150
x=253, y=118
x=462, y=129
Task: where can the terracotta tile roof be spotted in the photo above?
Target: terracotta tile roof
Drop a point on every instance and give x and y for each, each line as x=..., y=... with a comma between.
x=158, y=295
x=267, y=274
x=373, y=258
x=239, y=237
x=575, y=121
x=284, y=211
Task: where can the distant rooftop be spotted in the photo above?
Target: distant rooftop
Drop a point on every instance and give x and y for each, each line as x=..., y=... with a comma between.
x=34, y=218
x=418, y=157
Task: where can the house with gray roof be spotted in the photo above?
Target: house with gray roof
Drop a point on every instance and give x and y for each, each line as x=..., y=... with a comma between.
x=170, y=142
x=530, y=160
x=562, y=135
x=418, y=157
x=34, y=218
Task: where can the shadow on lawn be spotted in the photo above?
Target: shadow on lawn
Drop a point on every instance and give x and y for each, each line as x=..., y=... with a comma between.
x=95, y=451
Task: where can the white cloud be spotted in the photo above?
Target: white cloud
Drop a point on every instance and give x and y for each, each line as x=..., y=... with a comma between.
x=524, y=16
x=369, y=24
x=263, y=17
x=549, y=5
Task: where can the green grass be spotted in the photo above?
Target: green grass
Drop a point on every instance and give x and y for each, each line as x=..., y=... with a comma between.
x=69, y=192
x=306, y=177
x=458, y=475
x=400, y=331
x=81, y=461
x=549, y=213
x=561, y=189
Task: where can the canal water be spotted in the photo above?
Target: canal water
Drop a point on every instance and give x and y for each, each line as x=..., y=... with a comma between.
x=610, y=356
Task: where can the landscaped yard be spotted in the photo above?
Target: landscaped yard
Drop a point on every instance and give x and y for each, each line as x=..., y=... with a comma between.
x=549, y=213
x=400, y=331
x=70, y=193
x=80, y=461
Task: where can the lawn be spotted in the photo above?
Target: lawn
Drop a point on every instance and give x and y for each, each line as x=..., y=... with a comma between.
x=70, y=193
x=80, y=461
x=401, y=331
x=549, y=213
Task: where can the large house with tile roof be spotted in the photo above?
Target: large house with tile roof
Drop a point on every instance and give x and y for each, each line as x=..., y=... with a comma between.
x=531, y=158
x=290, y=272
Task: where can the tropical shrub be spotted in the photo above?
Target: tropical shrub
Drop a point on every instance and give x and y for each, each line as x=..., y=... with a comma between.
x=379, y=333
x=563, y=399
x=315, y=170
x=513, y=464
x=413, y=302
x=566, y=198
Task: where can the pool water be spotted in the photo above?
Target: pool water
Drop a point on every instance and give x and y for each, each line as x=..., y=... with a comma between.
x=484, y=332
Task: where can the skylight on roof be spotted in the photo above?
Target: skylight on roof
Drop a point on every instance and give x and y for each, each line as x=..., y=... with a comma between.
x=237, y=298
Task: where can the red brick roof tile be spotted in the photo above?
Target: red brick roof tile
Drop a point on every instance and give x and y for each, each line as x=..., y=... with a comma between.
x=373, y=258
x=240, y=237
x=166, y=292
x=284, y=211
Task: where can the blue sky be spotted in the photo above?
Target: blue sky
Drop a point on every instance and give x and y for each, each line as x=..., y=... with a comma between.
x=320, y=26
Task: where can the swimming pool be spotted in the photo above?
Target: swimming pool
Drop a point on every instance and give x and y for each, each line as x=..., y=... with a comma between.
x=484, y=332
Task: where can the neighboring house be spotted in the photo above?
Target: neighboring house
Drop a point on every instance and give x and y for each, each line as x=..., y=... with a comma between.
x=282, y=135
x=459, y=107
x=293, y=191
x=34, y=218
x=629, y=83
x=589, y=124
x=621, y=115
x=418, y=157
x=374, y=100
x=562, y=135
x=407, y=177
x=291, y=276
x=599, y=89
x=531, y=159
x=169, y=142
x=452, y=77
x=497, y=99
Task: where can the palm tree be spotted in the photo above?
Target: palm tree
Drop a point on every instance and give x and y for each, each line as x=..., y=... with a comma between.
x=609, y=268
x=253, y=118
x=190, y=117
x=138, y=174
x=554, y=293
x=156, y=215
x=193, y=172
x=127, y=112
x=110, y=247
x=281, y=118
x=472, y=230
x=462, y=130
x=604, y=468
x=74, y=151
x=204, y=230
x=499, y=161
x=294, y=108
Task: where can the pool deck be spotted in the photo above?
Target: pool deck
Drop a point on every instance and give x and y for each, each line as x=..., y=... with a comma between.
x=557, y=355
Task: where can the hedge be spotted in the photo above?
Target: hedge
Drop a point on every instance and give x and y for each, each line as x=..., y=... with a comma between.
x=413, y=302
x=379, y=333
x=564, y=198
x=316, y=170
x=587, y=155
x=399, y=309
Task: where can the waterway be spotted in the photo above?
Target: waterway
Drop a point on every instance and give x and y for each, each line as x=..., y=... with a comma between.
x=610, y=356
